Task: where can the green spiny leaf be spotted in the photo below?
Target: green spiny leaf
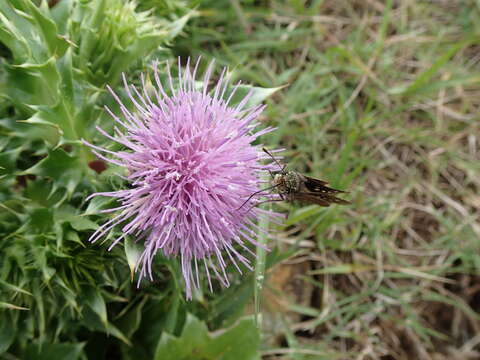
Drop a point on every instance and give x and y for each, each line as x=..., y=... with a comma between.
x=257, y=94
x=96, y=302
x=64, y=168
x=133, y=251
x=197, y=343
x=59, y=351
x=34, y=83
x=7, y=332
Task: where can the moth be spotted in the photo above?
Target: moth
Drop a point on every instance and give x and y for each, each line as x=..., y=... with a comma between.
x=292, y=186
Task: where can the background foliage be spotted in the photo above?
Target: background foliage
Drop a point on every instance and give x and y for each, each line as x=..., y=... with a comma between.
x=382, y=99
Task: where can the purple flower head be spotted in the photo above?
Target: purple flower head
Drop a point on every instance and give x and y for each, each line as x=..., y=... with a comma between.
x=191, y=165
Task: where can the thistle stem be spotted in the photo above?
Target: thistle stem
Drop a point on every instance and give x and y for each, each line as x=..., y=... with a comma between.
x=261, y=255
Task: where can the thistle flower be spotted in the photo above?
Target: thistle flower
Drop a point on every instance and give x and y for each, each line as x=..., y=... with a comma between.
x=191, y=165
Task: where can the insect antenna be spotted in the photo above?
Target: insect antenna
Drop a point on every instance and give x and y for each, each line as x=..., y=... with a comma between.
x=276, y=161
x=257, y=192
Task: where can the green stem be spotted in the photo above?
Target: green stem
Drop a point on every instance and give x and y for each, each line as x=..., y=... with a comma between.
x=260, y=265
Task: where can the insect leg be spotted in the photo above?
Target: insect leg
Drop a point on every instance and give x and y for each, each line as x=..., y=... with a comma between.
x=255, y=193
x=264, y=202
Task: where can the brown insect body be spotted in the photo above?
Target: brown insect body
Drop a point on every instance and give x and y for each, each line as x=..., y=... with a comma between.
x=287, y=182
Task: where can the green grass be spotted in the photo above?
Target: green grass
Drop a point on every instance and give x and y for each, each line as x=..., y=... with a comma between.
x=382, y=100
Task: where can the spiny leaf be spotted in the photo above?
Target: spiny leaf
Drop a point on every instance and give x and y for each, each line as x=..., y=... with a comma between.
x=240, y=341
x=29, y=32
x=96, y=204
x=4, y=305
x=62, y=351
x=64, y=168
x=96, y=302
x=61, y=116
x=133, y=251
x=7, y=332
x=257, y=94
x=32, y=83
x=14, y=288
x=68, y=214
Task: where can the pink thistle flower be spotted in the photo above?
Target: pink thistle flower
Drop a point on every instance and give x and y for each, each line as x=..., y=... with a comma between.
x=191, y=165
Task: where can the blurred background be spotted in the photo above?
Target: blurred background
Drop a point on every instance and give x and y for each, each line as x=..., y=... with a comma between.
x=377, y=97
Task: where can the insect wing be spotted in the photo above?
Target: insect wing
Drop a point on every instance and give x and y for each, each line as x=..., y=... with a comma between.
x=336, y=200
x=313, y=181
x=309, y=198
x=318, y=186
x=321, y=199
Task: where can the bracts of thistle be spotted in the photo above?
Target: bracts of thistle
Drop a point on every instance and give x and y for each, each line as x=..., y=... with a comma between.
x=191, y=164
